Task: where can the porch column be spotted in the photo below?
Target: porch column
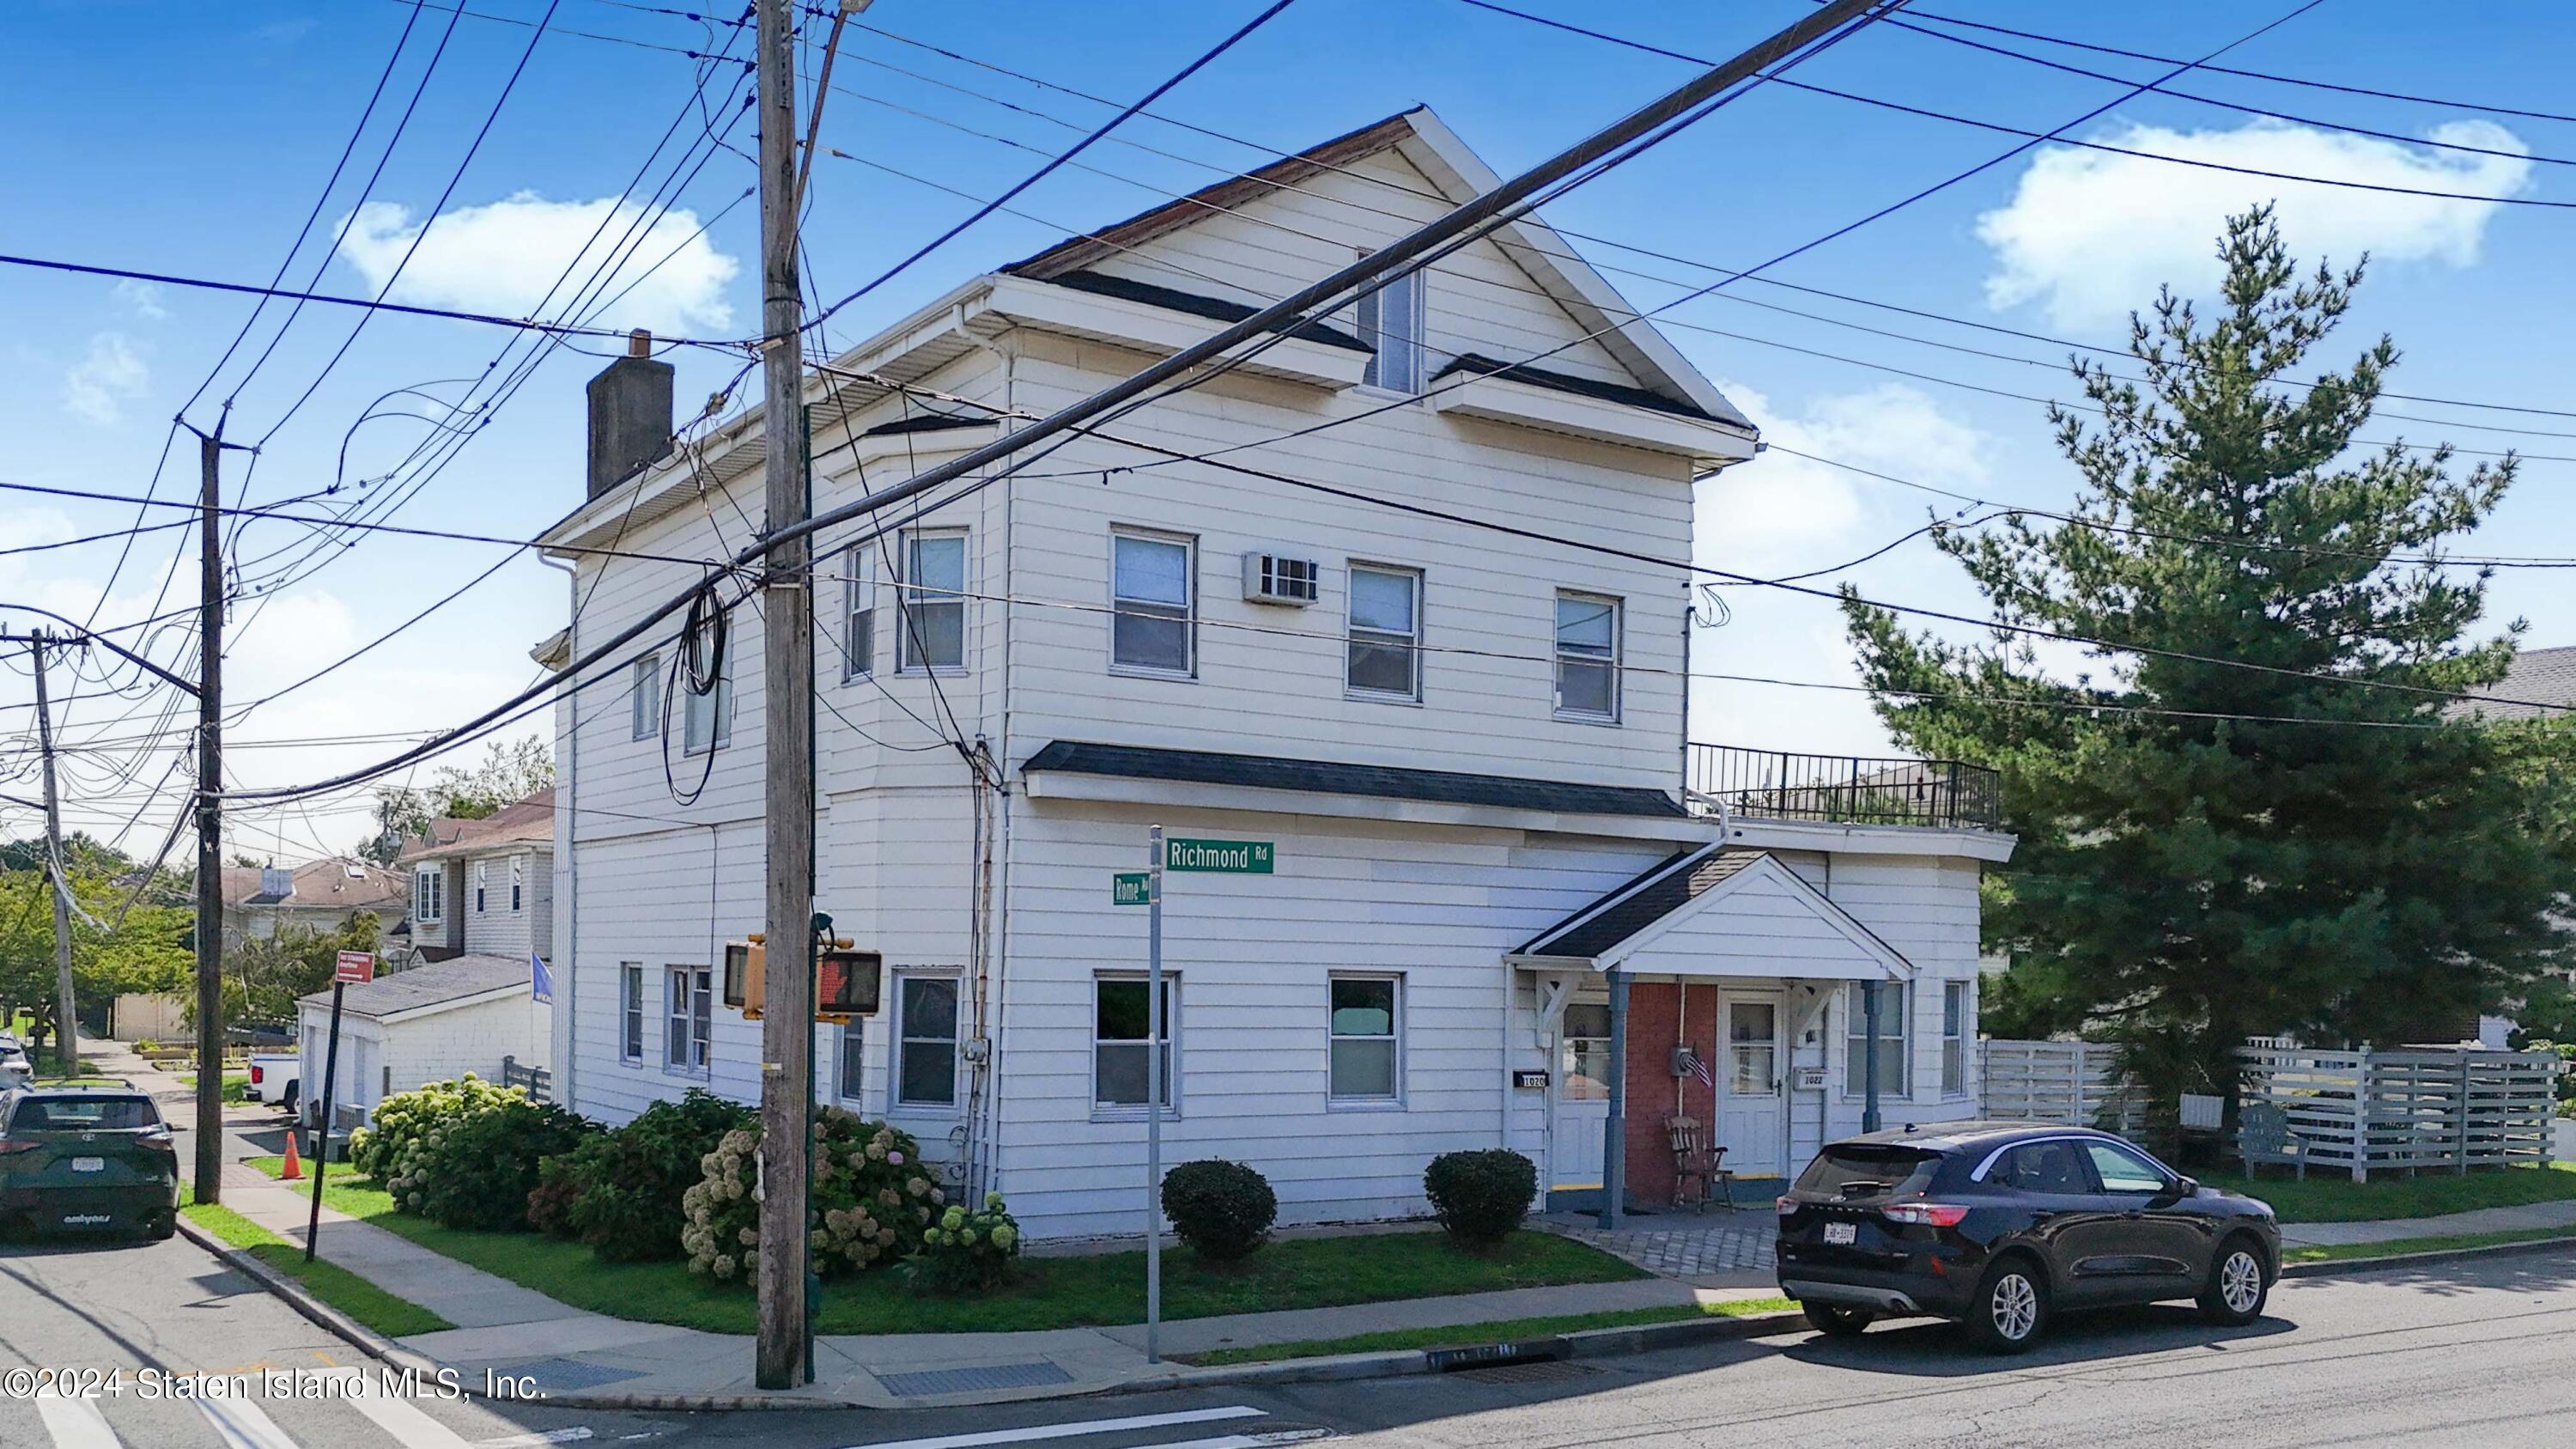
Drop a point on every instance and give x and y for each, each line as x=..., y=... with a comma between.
x=1614, y=1128
x=1869, y=1057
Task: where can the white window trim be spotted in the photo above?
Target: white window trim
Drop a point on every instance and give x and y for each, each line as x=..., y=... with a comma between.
x=1856, y=1023
x=858, y=598
x=1393, y=1103
x=429, y=895
x=1618, y=660
x=645, y=709
x=895, y=1100
x=1189, y=545
x=677, y=1012
x=630, y=1013
x=1417, y=290
x=1350, y=603
x=903, y=661
x=849, y=1038
x=482, y=885
x=1136, y=1112
x=1965, y=1037
x=518, y=884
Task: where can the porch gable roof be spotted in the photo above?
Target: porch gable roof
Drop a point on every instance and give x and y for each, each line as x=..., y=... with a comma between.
x=1721, y=911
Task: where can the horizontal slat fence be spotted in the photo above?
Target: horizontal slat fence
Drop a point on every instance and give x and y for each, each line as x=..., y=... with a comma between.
x=2371, y=1111
x=2075, y=1082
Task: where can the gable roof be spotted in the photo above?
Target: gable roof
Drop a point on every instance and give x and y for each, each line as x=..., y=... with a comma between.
x=452, y=982
x=522, y=822
x=1461, y=175
x=2544, y=676
x=1612, y=928
x=333, y=882
x=1276, y=772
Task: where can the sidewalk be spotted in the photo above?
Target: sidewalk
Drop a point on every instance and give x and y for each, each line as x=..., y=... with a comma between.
x=2531, y=1217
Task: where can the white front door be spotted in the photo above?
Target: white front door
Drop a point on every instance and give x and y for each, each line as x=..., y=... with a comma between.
x=1751, y=1074
x=1582, y=1096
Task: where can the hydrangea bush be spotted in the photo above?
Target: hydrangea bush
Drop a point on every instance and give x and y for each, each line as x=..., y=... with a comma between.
x=962, y=1251
x=873, y=1200
x=464, y=1153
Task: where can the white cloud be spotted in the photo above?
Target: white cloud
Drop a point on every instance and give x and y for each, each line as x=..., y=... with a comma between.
x=111, y=373
x=502, y=258
x=143, y=297
x=1752, y=511
x=2090, y=235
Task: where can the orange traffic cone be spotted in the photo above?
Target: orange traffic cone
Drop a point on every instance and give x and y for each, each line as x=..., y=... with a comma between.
x=294, y=1169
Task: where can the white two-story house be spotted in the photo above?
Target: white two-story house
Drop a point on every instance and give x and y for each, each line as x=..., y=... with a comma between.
x=1464, y=747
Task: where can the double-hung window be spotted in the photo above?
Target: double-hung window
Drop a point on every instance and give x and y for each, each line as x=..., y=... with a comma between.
x=644, y=700
x=849, y=1078
x=1385, y=633
x=1954, y=1038
x=518, y=882
x=858, y=617
x=482, y=880
x=630, y=1011
x=706, y=720
x=429, y=894
x=1587, y=656
x=1152, y=626
x=1894, y=1036
x=925, y=1050
x=1390, y=322
x=688, y=1009
x=1366, y=1022
x=1122, y=1037
x=933, y=602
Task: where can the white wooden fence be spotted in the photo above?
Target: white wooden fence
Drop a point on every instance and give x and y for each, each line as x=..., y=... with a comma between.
x=2075, y=1082
x=2448, y=1108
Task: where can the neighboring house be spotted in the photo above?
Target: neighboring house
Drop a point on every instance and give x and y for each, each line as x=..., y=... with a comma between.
x=485, y=886
x=432, y=1023
x=2542, y=677
x=319, y=894
x=1467, y=748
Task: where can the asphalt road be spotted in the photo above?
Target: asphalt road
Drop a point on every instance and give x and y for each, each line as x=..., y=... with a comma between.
x=2474, y=1352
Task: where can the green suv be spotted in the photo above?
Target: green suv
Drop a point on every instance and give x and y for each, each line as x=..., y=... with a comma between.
x=87, y=1160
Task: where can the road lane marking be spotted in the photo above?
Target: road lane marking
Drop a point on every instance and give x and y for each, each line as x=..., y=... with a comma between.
x=75, y=1423
x=1083, y=1428
x=403, y=1419
x=244, y=1425
x=539, y=1441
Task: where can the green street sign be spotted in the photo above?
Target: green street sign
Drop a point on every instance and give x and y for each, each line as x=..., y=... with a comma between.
x=1131, y=888
x=1236, y=857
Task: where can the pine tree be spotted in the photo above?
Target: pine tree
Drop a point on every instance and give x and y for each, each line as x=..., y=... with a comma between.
x=2210, y=851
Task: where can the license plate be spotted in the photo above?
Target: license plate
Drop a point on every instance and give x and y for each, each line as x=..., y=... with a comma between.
x=89, y=1164
x=1841, y=1233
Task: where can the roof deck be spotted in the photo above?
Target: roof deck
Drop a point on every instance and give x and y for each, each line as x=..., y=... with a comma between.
x=1844, y=789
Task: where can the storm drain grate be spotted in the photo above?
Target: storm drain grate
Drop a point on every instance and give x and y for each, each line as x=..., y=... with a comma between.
x=568, y=1375
x=975, y=1380
x=1537, y=1371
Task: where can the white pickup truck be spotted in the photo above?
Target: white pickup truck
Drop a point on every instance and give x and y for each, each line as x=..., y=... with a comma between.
x=272, y=1079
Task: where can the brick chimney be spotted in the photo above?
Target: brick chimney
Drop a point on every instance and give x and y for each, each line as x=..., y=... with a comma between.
x=630, y=414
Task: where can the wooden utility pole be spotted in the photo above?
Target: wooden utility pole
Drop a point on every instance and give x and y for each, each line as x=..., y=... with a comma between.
x=784, y=1346
x=66, y=1021
x=210, y=785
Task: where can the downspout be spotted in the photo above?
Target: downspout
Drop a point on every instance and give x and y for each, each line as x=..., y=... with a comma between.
x=559, y=1021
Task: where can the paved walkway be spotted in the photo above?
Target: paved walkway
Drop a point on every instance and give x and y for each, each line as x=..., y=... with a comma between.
x=2531, y=1216
x=1709, y=1250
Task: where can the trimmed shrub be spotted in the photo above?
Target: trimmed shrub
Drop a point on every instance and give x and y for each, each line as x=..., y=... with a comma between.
x=559, y=1180
x=402, y=1122
x=1481, y=1196
x=873, y=1199
x=464, y=1153
x=626, y=1203
x=1222, y=1209
x=963, y=1251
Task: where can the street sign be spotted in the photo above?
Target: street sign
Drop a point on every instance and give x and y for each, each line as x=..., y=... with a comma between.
x=1236, y=857
x=355, y=967
x=1131, y=888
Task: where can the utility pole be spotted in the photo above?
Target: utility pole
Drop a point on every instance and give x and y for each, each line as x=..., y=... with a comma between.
x=784, y=1345
x=66, y=1023
x=210, y=785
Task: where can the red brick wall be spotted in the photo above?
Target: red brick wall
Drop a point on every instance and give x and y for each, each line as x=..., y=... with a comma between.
x=1659, y=1017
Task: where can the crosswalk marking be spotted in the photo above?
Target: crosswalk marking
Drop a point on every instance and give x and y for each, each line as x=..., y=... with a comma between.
x=403, y=1419
x=1040, y=1432
x=75, y=1423
x=244, y=1425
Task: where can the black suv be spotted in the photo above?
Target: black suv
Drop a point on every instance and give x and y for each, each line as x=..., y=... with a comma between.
x=1998, y=1224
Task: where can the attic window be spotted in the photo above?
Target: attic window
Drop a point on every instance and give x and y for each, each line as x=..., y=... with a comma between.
x=1390, y=322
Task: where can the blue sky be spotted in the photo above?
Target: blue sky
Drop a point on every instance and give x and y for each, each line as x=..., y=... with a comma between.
x=194, y=140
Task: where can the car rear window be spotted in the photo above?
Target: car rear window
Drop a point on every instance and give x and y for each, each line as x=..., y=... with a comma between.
x=1868, y=1171
x=84, y=1114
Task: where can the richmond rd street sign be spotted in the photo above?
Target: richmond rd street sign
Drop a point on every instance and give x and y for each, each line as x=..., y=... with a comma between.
x=1234, y=857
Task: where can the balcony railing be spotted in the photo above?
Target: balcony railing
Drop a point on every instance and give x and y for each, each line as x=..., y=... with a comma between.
x=1845, y=789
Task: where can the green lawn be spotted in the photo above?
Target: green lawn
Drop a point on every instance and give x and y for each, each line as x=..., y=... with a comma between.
x=355, y=1296
x=1055, y=1293
x=2327, y=1198
x=236, y=1085
x=1496, y=1332
x=2343, y=1252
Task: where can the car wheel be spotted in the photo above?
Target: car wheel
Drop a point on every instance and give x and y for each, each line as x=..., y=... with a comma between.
x=2010, y=1307
x=2237, y=1285
x=1835, y=1322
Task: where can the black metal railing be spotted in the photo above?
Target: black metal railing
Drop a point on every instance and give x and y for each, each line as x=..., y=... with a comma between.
x=1846, y=789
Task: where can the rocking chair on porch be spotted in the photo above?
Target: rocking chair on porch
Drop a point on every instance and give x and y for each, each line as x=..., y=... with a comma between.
x=1698, y=1165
